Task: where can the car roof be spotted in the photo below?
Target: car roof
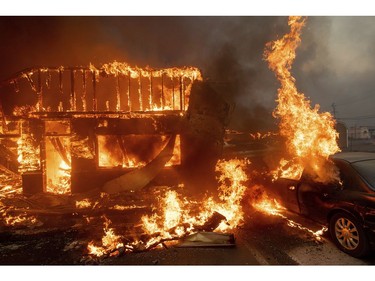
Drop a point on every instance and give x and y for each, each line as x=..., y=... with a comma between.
x=352, y=157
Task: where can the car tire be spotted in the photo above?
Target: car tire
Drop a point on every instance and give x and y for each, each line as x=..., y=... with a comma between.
x=348, y=234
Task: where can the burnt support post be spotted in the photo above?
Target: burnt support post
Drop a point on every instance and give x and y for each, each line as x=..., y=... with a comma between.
x=140, y=91
x=181, y=94
x=118, y=97
x=172, y=93
x=61, y=90
x=33, y=150
x=94, y=100
x=150, y=99
x=129, y=99
x=73, y=101
x=39, y=93
x=162, y=91
x=84, y=91
x=61, y=81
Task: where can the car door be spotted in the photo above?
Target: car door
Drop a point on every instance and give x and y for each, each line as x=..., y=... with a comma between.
x=316, y=199
x=285, y=191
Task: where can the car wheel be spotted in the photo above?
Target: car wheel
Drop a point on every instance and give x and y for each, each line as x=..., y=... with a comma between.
x=348, y=234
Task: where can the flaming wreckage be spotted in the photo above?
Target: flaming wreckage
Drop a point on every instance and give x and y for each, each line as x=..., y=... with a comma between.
x=72, y=130
x=136, y=146
x=90, y=141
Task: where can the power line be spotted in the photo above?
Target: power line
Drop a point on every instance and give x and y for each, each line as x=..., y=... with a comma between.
x=357, y=117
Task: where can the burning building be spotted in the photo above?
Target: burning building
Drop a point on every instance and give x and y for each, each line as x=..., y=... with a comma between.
x=75, y=129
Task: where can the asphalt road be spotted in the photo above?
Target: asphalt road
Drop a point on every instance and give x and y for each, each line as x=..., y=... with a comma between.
x=262, y=240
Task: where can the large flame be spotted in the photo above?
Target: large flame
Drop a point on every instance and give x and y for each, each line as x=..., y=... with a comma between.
x=310, y=135
x=28, y=151
x=177, y=216
x=110, y=241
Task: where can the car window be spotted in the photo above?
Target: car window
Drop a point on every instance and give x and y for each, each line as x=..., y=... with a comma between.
x=367, y=170
x=348, y=177
x=310, y=179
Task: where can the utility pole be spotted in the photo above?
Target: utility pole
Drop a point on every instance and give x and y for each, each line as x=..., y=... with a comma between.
x=334, y=109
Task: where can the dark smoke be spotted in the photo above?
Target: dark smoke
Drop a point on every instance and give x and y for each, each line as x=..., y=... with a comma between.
x=333, y=63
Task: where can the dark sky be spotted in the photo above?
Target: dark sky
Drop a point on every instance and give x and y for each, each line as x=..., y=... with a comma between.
x=334, y=62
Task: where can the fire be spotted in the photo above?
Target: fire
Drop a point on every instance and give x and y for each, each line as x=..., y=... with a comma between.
x=28, y=151
x=310, y=135
x=272, y=207
x=260, y=136
x=60, y=184
x=123, y=208
x=83, y=204
x=231, y=191
x=110, y=241
x=168, y=224
x=117, y=68
x=177, y=211
x=175, y=98
x=22, y=219
x=177, y=216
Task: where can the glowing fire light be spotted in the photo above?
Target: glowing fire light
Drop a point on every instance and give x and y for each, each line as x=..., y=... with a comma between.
x=83, y=204
x=310, y=135
x=28, y=151
x=110, y=241
x=22, y=219
x=60, y=184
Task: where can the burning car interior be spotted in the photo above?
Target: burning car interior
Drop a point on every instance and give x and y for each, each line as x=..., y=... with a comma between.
x=109, y=161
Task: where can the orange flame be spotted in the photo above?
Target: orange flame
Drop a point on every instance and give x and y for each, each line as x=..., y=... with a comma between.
x=22, y=219
x=83, y=204
x=179, y=216
x=110, y=241
x=310, y=135
x=28, y=151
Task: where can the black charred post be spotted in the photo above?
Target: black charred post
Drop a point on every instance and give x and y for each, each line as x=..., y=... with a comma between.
x=129, y=96
x=84, y=166
x=202, y=143
x=40, y=93
x=162, y=91
x=61, y=82
x=34, y=181
x=118, y=96
x=72, y=93
x=94, y=99
x=173, y=99
x=181, y=95
x=150, y=100
x=84, y=91
x=8, y=160
x=140, y=91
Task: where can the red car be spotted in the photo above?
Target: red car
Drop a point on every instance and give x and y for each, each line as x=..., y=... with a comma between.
x=348, y=209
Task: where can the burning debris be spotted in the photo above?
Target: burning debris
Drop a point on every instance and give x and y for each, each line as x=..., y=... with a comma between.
x=96, y=144
x=102, y=123
x=176, y=217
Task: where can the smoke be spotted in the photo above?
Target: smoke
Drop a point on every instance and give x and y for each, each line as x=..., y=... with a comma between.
x=333, y=63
